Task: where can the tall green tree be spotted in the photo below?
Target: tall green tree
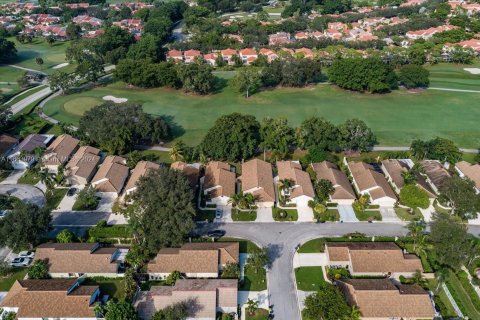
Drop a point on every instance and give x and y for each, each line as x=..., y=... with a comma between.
x=178, y=311
x=117, y=310
x=164, y=211
x=7, y=50
x=233, y=137
x=259, y=260
x=354, y=134
x=197, y=77
x=319, y=133
x=414, y=76
x=38, y=270
x=461, y=196
x=247, y=81
x=24, y=226
x=277, y=136
x=327, y=303
x=450, y=240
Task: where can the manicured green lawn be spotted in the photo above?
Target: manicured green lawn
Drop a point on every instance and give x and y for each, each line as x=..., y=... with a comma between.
x=291, y=214
x=368, y=214
x=448, y=75
x=313, y=246
x=7, y=283
x=243, y=215
x=260, y=314
x=329, y=215
x=29, y=178
x=25, y=95
x=396, y=118
x=309, y=278
x=461, y=297
x=112, y=286
x=156, y=156
x=203, y=215
x=54, y=199
x=253, y=281
x=10, y=74
x=403, y=214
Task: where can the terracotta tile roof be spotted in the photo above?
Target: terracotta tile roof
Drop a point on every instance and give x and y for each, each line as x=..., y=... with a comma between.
x=228, y=52
x=192, y=53
x=471, y=171
x=84, y=162
x=435, y=172
x=248, y=52
x=60, y=150
x=77, y=258
x=219, y=176
x=6, y=143
x=382, y=299
x=376, y=257
x=52, y=298
x=142, y=168
x=203, y=296
x=367, y=178
x=195, y=258
x=111, y=175
x=329, y=171
x=257, y=177
x=190, y=171
x=293, y=171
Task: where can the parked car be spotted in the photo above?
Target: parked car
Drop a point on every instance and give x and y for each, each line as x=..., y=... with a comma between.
x=20, y=262
x=218, y=213
x=26, y=254
x=216, y=233
x=71, y=192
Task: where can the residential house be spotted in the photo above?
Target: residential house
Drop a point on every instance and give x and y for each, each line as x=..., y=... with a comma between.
x=83, y=5
x=59, y=152
x=51, y=299
x=435, y=174
x=301, y=191
x=91, y=21
x=412, y=3
x=427, y=33
x=302, y=35
x=333, y=34
x=204, y=298
x=23, y=155
x=190, y=170
x=132, y=25
x=248, y=55
x=7, y=143
x=211, y=59
x=81, y=168
x=218, y=182
x=394, y=170
x=473, y=44
x=270, y=54
x=111, y=175
x=372, y=183
x=279, y=38
x=142, y=168
x=372, y=258
x=343, y=193
x=257, y=179
x=227, y=55
x=190, y=55
x=384, y=299
x=470, y=171
x=305, y=53
x=66, y=260
x=194, y=260
x=175, y=55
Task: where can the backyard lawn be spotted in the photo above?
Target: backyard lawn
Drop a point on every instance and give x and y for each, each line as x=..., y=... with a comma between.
x=396, y=118
x=53, y=199
x=112, y=286
x=253, y=281
x=309, y=278
x=7, y=282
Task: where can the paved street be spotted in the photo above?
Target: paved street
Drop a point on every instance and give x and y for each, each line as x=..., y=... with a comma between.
x=78, y=219
x=24, y=192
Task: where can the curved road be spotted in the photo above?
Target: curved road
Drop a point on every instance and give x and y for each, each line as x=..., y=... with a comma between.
x=24, y=192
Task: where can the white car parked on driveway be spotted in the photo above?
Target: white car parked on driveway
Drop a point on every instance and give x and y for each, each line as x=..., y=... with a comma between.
x=26, y=254
x=20, y=262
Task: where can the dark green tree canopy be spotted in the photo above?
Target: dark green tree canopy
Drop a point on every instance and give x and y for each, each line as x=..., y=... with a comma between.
x=436, y=149
x=319, y=133
x=461, y=196
x=414, y=76
x=197, y=77
x=164, y=209
x=118, y=127
x=232, y=137
x=178, y=311
x=327, y=303
x=24, y=226
x=277, y=135
x=359, y=74
x=7, y=50
x=354, y=134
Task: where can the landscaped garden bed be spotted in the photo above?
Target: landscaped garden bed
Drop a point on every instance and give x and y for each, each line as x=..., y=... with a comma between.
x=284, y=214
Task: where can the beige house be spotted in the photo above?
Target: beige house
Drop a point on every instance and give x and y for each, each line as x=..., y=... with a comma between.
x=302, y=189
x=51, y=299
x=393, y=170
x=141, y=169
x=470, y=171
x=111, y=175
x=435, y=174
x=257, y=179
x=195, y=260
x=368, y=181
x=343, y=193
x=372, y=258
x=204, y=297
x=66, y=260
x=219, y=182
x=59, y=152
x=190, y=170
x=81, y=168
x=382, y=299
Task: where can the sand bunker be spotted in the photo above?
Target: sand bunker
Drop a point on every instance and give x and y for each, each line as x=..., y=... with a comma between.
x=472, y=70
x=61, y=65
x=115, y=99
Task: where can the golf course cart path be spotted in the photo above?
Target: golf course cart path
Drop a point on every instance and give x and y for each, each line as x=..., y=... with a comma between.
x=26, y=69
x=22, y=104
x=454, y=90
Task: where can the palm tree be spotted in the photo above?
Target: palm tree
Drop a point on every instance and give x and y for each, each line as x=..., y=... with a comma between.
x=286, y=185
x=176, y=153
x=242, y=200
x=418, y=278
x=415, y=230
x=249, y=200
x=442, y=275
x=47, y=178
x=252, y=306
x=355, y=314
x=409, y=177
x=235, y=199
